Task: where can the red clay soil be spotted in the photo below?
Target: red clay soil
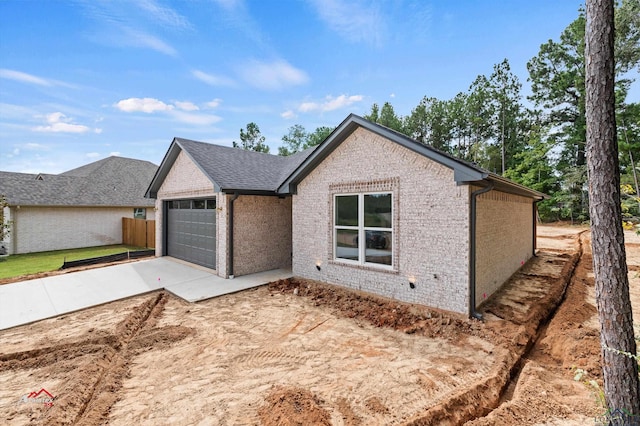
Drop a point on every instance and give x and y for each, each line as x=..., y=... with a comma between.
x=514, y=333
x=541, y=323
x=384, y=313
x=293, y=407
x=543, y=387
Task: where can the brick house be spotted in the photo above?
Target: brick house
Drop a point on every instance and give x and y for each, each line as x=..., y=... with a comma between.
x=82, y=207
x=368, y=208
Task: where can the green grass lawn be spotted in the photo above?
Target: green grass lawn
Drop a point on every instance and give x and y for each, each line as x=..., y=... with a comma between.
x=31, y=263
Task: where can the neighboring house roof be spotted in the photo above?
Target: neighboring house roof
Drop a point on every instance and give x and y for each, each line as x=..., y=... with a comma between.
x=113, y=181
x=463, y=172
x=230, y=169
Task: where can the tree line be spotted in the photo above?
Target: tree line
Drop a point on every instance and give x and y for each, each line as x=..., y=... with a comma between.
x=540, y=144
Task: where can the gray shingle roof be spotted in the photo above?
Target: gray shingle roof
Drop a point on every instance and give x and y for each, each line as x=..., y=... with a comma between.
x=231, y=169
x=113, y=181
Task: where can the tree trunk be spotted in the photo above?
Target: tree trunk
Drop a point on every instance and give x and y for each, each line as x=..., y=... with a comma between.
x=621, y=384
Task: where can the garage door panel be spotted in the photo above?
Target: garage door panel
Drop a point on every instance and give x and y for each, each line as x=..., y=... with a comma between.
x=191, y=232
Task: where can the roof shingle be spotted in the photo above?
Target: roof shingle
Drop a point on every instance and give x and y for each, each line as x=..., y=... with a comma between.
x=113, y=181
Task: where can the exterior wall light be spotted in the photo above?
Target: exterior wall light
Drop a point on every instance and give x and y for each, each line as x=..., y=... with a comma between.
x=412, y=281
x=318, y=265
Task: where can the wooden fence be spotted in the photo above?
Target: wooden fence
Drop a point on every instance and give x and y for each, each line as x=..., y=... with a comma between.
x=139, y=232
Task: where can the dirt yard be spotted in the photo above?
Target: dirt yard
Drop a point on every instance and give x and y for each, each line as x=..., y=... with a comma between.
x=299, y=352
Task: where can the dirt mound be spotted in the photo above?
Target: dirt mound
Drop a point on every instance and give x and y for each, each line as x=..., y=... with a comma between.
x=292, y=407
x=349, y=417
x=384, y=313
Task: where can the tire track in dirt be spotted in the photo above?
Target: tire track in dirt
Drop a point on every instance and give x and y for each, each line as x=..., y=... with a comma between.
x=87, y=396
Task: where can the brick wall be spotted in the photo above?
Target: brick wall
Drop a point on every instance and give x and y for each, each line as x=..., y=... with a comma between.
x=431, y=227
x=261, y=234
x=184, y=180
x=504, y=235
x=57, y=228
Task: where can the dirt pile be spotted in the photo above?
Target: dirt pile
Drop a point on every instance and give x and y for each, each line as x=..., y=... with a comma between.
x=384, y=313
x=293, y=407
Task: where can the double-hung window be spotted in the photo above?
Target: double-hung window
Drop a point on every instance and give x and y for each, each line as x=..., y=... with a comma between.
x=363, y=230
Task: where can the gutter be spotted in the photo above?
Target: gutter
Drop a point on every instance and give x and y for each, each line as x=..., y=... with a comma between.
x=472, y=251
x=230, y=247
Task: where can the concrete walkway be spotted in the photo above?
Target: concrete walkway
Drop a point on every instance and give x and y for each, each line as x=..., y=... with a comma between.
x=33, y=300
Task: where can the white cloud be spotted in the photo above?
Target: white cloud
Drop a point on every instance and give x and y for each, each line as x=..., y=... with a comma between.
x=214, y=103
x=92, y=154
x=30, y=146
x=23, y=77
x=272, y=75
x=114, y=153
x=182, y=111
x=195, y=119
x=147, y=105
x=163, y=15
x=186, y=106
x=288, y=114
x=59, y=123
x=138, y=38
x=16, y=151
x=212, y=79
x=120, y=23
x=393, y=95
x=353, y=20
x=330, y=103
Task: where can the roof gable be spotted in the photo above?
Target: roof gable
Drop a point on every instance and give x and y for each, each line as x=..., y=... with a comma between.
x=463, y=172
x=229, y=169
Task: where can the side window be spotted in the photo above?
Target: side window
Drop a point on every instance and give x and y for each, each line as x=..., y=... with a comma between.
x=363, y=230
x=140, y=213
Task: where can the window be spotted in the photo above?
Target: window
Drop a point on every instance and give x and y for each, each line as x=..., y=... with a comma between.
x=364, y=218
x=197, y=204
x=139, y=213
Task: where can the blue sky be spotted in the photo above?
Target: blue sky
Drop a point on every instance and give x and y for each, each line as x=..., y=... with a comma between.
x=82, y=80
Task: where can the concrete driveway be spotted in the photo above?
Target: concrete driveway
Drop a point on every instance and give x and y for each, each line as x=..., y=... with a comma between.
x=33, y=300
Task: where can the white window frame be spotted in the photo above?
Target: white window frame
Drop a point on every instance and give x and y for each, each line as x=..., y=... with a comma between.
x=362, y=230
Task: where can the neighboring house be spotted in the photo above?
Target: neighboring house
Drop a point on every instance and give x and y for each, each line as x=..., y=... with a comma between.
x=369, y=209
x=83, y=207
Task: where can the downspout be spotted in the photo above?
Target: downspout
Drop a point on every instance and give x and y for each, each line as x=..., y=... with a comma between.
x=472, y=252
x=535, y=226
x=165, y=226
x=230, y=248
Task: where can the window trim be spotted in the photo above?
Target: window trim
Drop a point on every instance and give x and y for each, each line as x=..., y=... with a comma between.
x=362, y=230
x=142, y=215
